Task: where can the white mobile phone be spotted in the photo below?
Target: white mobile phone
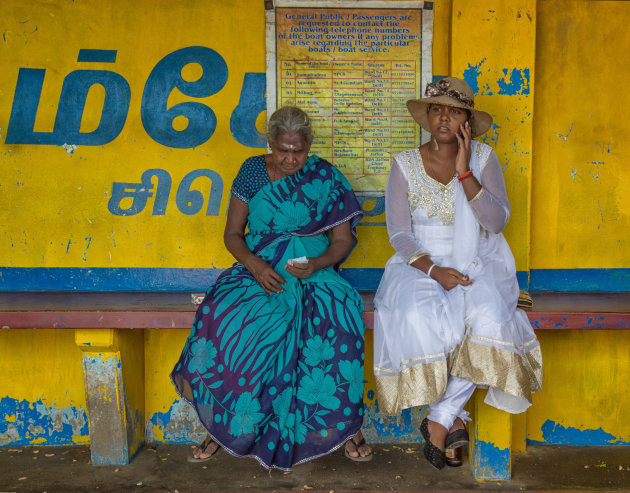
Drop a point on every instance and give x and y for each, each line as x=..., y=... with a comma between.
x=297, y=260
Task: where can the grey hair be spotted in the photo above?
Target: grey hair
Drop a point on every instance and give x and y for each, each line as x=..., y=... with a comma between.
x=289, y=120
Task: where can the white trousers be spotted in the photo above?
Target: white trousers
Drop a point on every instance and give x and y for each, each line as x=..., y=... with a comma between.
x=451, y=405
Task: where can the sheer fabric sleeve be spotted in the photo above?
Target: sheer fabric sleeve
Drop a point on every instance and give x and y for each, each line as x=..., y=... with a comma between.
x=398, y=215
x=491, y=206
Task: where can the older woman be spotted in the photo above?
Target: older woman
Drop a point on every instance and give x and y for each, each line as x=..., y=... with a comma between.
x=274, y=363
x=446, y=320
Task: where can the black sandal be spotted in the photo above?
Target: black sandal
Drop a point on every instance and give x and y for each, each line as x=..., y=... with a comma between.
x=457, y=438
x=434, y=455
x=358, y=458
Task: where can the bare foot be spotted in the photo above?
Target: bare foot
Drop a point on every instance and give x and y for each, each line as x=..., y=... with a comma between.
x=206, y=449
x=356, y=446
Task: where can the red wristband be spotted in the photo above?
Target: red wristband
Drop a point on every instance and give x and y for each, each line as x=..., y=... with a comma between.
x=468, y=174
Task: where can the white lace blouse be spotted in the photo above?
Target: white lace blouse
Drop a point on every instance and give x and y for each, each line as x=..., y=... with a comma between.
x=412, y=188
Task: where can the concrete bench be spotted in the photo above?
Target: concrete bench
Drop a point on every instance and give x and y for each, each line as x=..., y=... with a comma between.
x=101, y=322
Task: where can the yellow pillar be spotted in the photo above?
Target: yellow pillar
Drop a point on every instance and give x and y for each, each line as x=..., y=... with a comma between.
x=490, y=441
x=493, y=47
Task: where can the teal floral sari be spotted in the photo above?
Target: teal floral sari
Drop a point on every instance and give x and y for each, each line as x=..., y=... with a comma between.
x=279, y=377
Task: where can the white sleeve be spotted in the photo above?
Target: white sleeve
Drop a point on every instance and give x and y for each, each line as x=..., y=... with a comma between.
x=398, y=215
x=491, y=206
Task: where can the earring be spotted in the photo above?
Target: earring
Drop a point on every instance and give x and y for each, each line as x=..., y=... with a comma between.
x=437, y=148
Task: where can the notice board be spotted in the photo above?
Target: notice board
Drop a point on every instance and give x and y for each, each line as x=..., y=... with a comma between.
x=352, y=66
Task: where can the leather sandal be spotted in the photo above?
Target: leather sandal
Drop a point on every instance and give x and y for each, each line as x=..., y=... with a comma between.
x=434, y=455
x=203, y=446
x=457, y=438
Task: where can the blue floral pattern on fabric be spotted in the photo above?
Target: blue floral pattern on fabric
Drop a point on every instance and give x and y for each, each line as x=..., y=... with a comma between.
x=246, y=415
x=280, y=377
x=318, y=350
x=353, y=373
x=203, y=354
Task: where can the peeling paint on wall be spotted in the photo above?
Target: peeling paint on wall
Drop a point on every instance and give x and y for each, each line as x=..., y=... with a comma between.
x=27, y=423
x=382, y=428
x=565, y=136
x=492, y=462
x=179, y=424
x=556, y=434
x=508, y=81
x=517, y=82
x=471, y=74
x=69, y=148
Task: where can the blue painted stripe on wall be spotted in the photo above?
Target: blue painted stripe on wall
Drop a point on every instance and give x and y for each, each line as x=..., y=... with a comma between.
x=167, y=279
x=580, y=280
x=106, y=279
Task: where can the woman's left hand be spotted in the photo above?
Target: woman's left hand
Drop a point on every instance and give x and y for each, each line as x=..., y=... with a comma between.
x=301, y=271
x=463, y=153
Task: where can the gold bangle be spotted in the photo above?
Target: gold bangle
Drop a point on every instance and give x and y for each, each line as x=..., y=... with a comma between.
x=416, y=257
x=476, y=197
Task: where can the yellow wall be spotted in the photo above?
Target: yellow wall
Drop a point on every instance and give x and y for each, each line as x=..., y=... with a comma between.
x=65, y=196
x=162, y=350
x=493, y=47
x=71, y=191
x=567, y=158
x=42, y=397
x=585, y=396
x=580, y=200
x=564, y=161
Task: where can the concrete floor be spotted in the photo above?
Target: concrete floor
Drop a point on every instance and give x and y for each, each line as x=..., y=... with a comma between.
x=163, y=468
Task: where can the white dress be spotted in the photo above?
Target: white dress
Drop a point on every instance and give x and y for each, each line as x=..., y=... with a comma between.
x=423, y=333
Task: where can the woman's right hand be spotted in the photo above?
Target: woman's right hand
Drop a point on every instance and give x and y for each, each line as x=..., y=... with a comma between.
x=265, y=275
x=449, y=277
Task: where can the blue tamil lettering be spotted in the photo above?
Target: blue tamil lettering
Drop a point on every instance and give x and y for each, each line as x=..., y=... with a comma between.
x=190, y=202
x=165, y=77
x=251, y=103
x=140, y=193
x=74, y=92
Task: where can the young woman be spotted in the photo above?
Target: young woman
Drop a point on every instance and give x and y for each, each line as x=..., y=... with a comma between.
x=446, y=320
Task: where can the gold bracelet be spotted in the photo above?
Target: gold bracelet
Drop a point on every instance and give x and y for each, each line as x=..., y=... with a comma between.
x=476, y=197
x=416, y=257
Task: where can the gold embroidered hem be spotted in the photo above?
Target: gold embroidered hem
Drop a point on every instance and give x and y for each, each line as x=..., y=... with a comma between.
x=503, y=369
x=414, y=386
x=479, y=363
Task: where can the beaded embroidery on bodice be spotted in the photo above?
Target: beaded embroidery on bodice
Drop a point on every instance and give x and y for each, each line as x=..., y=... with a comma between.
x=427, y=193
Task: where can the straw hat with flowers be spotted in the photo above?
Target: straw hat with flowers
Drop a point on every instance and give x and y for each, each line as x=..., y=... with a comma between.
x=450, y=91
